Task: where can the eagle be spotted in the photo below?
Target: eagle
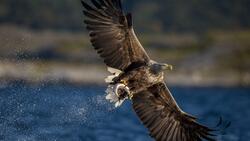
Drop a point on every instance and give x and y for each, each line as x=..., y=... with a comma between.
x=136, y=77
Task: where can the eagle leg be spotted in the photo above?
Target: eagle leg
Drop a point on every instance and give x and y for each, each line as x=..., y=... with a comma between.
x=124, y=82
x=129, y=94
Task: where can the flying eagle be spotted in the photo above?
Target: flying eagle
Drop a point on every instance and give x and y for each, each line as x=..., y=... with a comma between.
x=136, y=76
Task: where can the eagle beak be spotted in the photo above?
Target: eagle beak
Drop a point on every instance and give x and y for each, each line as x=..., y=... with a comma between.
x=168, y=67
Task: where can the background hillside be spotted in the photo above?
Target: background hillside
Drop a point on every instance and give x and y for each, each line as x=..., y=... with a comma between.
x=160, y=15
x=206, y=41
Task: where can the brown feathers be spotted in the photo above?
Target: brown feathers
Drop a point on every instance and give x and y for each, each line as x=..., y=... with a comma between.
x=113, y=37
x=166, y=122
x=112, y=34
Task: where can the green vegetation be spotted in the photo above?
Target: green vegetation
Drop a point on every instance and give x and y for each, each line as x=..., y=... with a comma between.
x=206, y=39
x=150, y=15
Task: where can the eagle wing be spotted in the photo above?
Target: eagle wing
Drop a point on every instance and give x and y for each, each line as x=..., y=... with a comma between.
x=160, y=113
x=112, y=34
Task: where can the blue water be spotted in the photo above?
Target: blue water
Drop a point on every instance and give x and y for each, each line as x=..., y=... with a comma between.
x=80, y=113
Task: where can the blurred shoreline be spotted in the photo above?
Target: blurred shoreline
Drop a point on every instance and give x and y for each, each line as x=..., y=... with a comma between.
x=212, y=59
x=207, y=42
x=80, y=74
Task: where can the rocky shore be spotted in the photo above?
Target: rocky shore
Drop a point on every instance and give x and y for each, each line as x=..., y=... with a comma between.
x=82, y=74
x=211, y=59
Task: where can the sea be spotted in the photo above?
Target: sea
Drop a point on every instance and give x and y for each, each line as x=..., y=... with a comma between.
x=66, y=112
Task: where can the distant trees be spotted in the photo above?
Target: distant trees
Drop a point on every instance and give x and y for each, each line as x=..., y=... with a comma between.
x=39, y=14
x=200, y=15
x=150, y=15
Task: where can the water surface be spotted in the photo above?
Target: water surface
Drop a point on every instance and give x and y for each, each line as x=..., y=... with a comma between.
x=80, y=113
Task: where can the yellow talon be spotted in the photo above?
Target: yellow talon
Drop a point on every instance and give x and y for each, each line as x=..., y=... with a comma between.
x=124, y=82
x=130, y=96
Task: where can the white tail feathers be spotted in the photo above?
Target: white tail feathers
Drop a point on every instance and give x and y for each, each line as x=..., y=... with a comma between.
x=114, y=72
x=112, y=90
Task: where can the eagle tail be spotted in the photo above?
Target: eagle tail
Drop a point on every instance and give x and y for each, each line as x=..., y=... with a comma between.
x=114, y=72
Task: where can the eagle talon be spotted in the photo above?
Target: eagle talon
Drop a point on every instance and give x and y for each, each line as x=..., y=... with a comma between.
x=130, y=96
x=124, y=82
x=128, y=93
